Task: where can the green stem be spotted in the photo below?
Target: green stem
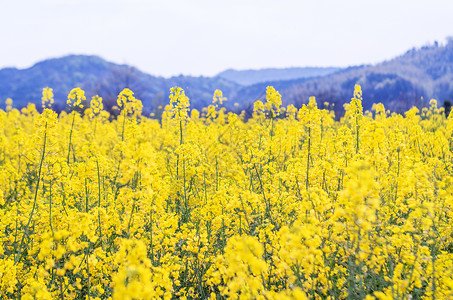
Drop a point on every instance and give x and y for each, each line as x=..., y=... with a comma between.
x=50, y=208
x=86, y=195
x=99, y=201
x=88, y=271
x=121, y=152
x=266, y=201
x=124, y=125
x=308, y=157
x=357, y=134
x=181, y=141
x=70, y=135
x=186, y=204
x=17, y=259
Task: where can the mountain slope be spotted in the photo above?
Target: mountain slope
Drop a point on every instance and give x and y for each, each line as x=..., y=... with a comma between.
x=252, y=77
x=97, y=76
x=398, y=83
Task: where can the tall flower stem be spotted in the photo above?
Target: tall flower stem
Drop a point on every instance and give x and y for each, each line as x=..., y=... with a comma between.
x=70, y=135
x=18, y=256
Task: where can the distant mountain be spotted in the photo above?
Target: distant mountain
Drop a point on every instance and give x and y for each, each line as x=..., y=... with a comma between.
x=398, y=83
x=97, y=76
x=91, y=73
x=251, y=77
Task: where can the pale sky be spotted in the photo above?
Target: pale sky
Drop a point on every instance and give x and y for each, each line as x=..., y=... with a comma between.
x=204, y=37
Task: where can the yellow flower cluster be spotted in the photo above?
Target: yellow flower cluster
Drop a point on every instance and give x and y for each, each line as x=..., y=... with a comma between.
x=179, y=104
x=289, y=204
x=47, y=97
x=274, y=101
x=212, y=112
x=96, y=105
x=218, y=97
x=9, y=104
x=75, y=97
x=272, y=106
x=126, y=101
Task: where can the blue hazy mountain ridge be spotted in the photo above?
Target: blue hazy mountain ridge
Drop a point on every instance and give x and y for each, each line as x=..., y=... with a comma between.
x=97, y=76
x=399, y=83
x=251, y=77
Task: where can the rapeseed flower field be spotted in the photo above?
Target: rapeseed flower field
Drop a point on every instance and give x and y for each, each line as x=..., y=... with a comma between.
x=288, y=204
